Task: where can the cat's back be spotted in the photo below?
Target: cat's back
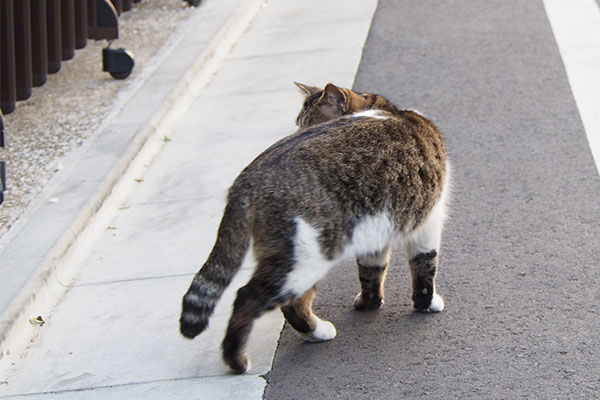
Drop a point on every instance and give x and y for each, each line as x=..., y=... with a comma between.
x=357, y=141
x=370, y=160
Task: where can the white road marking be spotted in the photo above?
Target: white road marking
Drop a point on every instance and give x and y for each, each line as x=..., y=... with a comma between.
x=576, y=27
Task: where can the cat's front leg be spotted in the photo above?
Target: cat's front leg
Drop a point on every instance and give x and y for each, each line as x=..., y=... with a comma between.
x=372, y=269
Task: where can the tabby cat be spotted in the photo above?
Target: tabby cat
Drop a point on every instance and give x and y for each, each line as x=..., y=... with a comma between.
x=358, y=174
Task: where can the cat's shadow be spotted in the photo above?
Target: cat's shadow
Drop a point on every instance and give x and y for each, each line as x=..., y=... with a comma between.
x=392, y=320
x=379, y=335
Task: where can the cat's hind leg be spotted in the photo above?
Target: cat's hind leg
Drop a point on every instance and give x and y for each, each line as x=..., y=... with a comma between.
x=245, y=310
x=423, y=246
x=286, y=274
x=310, y=267
x=300, y=316
x=372, y=269
x=252, y=300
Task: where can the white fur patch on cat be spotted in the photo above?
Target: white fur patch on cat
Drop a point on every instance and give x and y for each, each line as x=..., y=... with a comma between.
x=377, y=259
x=417, y=112
x=437, y=303
x=372, y=234
x=311, y=266
x=372, y=114
x=324, y=331
x=428, y=235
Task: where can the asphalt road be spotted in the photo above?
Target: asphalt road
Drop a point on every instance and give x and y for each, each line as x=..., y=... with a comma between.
x=519, y=261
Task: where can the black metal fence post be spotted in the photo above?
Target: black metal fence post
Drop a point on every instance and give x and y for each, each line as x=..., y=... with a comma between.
x=2, y=163
x=37, y=35
x=53, y=36
x=8, y=87
x=2, y=180
x=81, y=23
x=23, y=69
x=39, y=42
x=67, y=24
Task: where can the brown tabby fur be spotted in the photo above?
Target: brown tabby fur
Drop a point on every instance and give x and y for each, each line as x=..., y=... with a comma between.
x=337, y=182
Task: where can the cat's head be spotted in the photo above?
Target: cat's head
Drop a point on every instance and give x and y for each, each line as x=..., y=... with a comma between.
x=321, y=105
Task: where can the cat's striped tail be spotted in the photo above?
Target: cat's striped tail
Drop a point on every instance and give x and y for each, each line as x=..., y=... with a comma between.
x=225, y=259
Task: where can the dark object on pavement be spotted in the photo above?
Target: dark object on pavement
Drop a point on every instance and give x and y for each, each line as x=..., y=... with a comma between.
x=117, y=62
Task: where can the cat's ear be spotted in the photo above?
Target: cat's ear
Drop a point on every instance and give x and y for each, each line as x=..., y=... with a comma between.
x=334, y=96
x=308, y=90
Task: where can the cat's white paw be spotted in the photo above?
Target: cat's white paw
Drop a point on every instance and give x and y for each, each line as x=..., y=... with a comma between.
x=437, y=303
x=324, y=331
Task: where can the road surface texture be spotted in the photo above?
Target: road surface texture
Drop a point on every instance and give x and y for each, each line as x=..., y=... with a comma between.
x=519, y=262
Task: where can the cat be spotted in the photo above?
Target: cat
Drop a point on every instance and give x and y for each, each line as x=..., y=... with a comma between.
x=358, y=174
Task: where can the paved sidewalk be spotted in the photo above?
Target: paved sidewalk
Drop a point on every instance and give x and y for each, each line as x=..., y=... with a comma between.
x=202, y=116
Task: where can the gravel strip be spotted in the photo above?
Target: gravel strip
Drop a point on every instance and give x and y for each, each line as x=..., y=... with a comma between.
x=61, y=115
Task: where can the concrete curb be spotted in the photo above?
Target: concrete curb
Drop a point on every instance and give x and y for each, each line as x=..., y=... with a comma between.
x=40, y=260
